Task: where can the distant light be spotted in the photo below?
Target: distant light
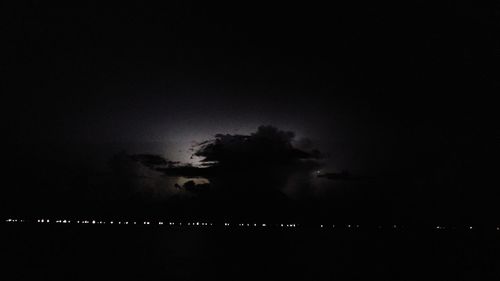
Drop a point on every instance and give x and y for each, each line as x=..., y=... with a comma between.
x=349, y=226
x=470, y=227
x=93, y=222
x=321, y=225
x=394, y=226
x=333, y=226
x=265, y=224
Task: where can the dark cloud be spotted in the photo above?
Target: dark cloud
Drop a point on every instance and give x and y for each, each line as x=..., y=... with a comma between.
x=268, y=147
x=194, y=187
x=248, y=175
x=151, y=160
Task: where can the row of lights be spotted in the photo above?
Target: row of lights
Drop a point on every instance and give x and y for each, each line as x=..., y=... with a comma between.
x=293, y=225
x=14, y=220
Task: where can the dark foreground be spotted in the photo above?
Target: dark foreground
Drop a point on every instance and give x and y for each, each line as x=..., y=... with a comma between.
x=78, y=252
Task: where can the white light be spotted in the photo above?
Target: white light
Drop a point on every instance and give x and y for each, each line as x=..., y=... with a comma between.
x=349, y=225
x=47, y=220
x=321, y=225
x=93, y=222
x=470, y=227
x=263, y=224
x=333, y=226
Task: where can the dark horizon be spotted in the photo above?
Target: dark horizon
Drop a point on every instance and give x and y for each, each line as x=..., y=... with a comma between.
x=379, y=118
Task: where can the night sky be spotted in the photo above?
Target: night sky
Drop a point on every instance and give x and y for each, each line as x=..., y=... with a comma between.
x=400, y=98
